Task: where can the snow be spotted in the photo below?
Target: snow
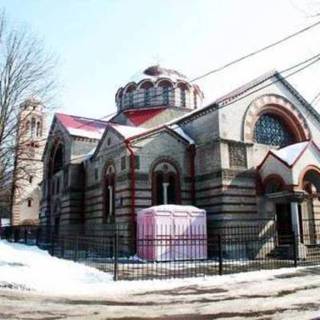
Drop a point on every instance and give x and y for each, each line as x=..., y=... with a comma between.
x=41, y=283
x=288, y=293
x=34, y=269
x=176, y=128
x=86, y=134
x=290, y=153
x=128, y=131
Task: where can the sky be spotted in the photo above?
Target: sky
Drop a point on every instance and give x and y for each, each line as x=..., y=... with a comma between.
x=101, y=44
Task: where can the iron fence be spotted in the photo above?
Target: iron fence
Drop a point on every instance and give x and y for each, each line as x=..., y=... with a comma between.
x=168, y=252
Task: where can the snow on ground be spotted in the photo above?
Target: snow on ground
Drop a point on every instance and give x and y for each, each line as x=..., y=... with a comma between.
x=61, y=289
x=32, y=269
x=29, y=268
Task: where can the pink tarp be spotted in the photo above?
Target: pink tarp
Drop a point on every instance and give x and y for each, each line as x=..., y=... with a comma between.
x=171, y=232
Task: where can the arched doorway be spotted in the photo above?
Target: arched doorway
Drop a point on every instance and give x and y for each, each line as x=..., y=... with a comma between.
x=274, y=184
x=310, y=207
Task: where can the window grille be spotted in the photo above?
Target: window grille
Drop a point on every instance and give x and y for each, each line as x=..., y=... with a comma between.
x=271, y=130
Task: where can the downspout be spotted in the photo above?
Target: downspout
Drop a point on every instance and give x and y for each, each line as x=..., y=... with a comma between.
x=133, y=181
x=192, y=155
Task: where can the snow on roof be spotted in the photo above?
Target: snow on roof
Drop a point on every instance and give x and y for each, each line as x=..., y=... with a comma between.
x=172, y=208
x=127, y=131
x=176, y=128
x=290, y=153
x=138, y=117
x=81, y=126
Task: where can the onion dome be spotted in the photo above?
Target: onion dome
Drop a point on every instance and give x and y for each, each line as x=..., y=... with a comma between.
x=158, y=87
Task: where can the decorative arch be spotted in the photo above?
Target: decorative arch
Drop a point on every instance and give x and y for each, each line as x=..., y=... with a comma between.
x=163, y=82
x=165, y=177
x=280, y=107
x=130, y=87
x=145, y=84
x=273, y=183
x=303, y=176
x=56, y=159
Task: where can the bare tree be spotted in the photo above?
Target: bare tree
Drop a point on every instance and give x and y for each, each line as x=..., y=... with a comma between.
x=26, y=72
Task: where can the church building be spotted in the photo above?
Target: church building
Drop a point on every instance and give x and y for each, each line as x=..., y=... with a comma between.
x=250, y=156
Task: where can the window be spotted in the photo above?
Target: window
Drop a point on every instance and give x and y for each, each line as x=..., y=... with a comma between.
x=33, y=127
x=109, y=141
x=130, y=99
x=165, y=185
x=165, y=95
x=29, y=203
x=38, y=129
x=137, y=162
x=96, y=174
x=123, y=163
x=195, y=101
x=30, y=179
x=183, y=97
x=109, y=193
x=271, y=130
x=147, y=97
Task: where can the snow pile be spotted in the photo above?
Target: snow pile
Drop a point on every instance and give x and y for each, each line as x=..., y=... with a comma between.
x=29, y=268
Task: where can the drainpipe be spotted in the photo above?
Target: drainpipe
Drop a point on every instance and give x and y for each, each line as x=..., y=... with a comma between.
x=192, y=155
x=133, y=180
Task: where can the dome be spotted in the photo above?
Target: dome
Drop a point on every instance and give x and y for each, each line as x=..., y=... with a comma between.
x=156, y=72
x=156, y=86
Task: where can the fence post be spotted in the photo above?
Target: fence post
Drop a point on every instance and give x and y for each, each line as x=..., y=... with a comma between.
x=220, y=255
x=25, y=235
x=294, y=242
x=76, y=249
x=115, y=253
x=37, y=236
x=52, y=243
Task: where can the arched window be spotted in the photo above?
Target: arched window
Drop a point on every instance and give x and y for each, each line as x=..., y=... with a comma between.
x=57, y=156
x=147, y=87
x=130, y=94
x=30, y=200
x=195, y=100
x=109, y=193
x=271, y=130
x=166, y=88
x=183, y=94
x=165, y=184
x=38, y=129
x=33, y=127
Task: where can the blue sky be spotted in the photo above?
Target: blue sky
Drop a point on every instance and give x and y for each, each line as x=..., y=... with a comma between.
x=102, y=43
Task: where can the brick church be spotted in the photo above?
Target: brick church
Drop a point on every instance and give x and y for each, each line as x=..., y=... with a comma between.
x=252, y=155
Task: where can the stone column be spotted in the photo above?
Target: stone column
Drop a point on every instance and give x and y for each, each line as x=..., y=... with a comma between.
x=165, y=192
x=295, y=219
x=110, y=199
x=296, y=229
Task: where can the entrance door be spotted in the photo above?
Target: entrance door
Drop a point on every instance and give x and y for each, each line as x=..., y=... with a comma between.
x=284, y=223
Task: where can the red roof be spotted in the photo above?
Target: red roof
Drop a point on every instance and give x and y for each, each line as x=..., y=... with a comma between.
x=81, y=126
x=138, y=117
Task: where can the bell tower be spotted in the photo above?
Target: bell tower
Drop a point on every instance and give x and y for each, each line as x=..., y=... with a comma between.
x=28, y=166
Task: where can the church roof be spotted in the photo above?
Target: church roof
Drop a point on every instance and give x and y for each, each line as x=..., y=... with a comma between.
x=139, y=117
x=290, y=153
x=81, y=126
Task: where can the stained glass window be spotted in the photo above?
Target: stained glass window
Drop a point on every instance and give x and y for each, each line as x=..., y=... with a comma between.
x=271, y=130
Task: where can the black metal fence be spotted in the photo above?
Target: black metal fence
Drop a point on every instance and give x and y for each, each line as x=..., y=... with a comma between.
x=179, y=252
